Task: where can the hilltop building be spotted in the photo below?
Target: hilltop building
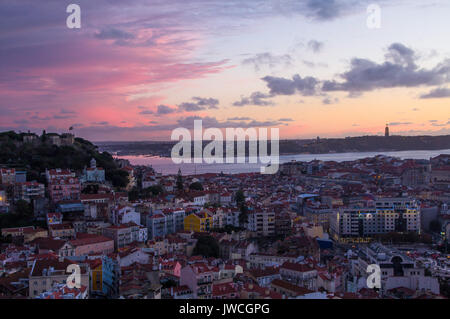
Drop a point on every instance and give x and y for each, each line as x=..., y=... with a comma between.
x=93, y=173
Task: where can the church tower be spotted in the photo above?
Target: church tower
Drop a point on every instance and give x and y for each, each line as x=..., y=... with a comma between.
x=93, y=163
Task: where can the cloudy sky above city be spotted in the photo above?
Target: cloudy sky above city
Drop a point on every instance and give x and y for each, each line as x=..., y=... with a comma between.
x=137, y=69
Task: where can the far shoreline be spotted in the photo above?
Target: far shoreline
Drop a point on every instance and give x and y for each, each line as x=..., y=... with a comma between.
x=149, y=155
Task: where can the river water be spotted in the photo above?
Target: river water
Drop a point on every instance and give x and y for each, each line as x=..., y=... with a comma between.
x=165, y=165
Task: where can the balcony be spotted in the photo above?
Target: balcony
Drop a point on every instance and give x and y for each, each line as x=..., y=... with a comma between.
x=202, y=282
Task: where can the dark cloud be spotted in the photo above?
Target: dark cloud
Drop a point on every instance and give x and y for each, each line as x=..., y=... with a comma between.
x=114, y=34
x=199, y=104
x=66, y=111
x=164, y=109
x=438, y=93
x=329, y=100
x=41, y=118
x=64, y=114
x=268, y=59
x=21, y=121
x=146, y=112
x=286, y=120
x=315, y=46
x=280, y=86
x=398, y=70
x=256, y=98
x=62, y=117
x=212, y=122
x=434, y=123
x=400, y=123
x=401, y=55
x=325, y=9
x=237, y=118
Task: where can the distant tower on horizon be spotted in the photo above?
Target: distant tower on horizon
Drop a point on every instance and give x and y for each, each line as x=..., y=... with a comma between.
x=386, y=131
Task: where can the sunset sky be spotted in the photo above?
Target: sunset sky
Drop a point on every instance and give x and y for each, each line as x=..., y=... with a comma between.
x=137, y=69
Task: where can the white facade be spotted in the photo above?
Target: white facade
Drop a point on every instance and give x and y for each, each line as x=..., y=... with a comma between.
x=143, y=234
x=262, y=223
x=388, y=215
x=128, y=215
x=397, y=269
x=200, y=200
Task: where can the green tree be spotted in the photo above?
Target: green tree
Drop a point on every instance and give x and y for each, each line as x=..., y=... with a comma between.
x=240, y=202
x=240, y=197
x=133, y=194
x=196, y=186
x=90, y=189
x=207, y=246
x=435, y=226
x=118, y=177
x=23, y=209
x=180, y=186
x=243, y=216
x=154, y=190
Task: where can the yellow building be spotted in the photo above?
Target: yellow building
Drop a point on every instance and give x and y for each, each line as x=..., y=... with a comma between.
x=29, y=233
x=32, y=234
x=198, y=222
x=96, y=266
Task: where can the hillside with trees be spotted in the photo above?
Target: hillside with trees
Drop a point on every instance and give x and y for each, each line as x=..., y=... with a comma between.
x=40, y=154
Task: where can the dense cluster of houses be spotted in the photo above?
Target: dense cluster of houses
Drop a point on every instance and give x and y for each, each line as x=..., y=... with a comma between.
x=309, y=231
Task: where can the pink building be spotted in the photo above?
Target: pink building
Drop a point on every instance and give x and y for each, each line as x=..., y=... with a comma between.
x=199, y=277
x=58, y=173
x=172, y=268
x=65, y=188
x=92, y=244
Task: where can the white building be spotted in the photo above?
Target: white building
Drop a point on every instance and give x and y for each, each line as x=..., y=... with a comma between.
x=388, y=215
x=261, y=222
x=397, y=269
x=232, y=218
x=127, y=214
x=200, y=199
x=93, y=173
x=143, y=234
